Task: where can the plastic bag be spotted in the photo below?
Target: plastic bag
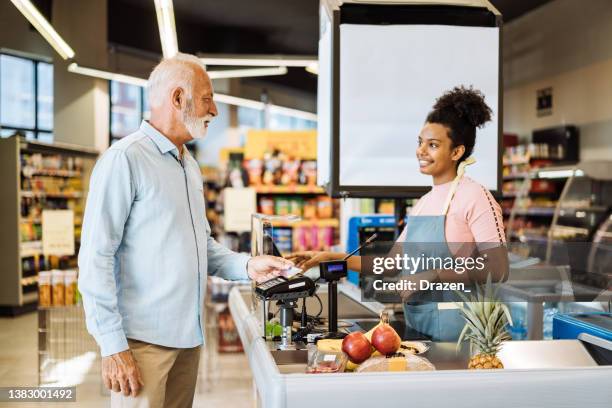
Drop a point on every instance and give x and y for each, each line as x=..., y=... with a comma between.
x=326, y=362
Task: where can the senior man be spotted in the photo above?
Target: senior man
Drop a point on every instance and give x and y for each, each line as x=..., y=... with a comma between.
x=146, y=248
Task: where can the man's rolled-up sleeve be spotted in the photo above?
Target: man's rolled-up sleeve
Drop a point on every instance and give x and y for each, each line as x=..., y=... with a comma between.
x=110, y=197
x=223, y=262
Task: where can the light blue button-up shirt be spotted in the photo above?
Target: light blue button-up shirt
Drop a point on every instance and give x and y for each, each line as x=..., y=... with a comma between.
x=146, y=247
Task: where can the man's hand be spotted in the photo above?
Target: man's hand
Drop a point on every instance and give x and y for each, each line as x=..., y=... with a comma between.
x=265, y=267
x=121, y=374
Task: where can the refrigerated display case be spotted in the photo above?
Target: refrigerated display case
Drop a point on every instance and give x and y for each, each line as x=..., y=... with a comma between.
x=577, y=238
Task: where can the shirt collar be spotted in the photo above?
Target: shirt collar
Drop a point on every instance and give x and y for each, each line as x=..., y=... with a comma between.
x=162, y=142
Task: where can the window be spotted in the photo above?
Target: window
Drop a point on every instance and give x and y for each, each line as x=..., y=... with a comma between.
x=125, y=110
x=130, y=105
x=249, y=118
x=26, y=97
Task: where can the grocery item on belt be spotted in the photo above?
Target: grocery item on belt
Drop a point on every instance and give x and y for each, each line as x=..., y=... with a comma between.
x=414, y=347
x=326, y=362
x=396, y=362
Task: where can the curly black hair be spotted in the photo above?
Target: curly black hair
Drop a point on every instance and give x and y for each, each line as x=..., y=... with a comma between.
x=461, y=110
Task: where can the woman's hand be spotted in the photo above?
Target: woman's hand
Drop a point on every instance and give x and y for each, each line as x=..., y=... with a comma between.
x=309, y=259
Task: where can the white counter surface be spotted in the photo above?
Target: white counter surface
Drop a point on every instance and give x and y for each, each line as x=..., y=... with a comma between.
x=554, y=373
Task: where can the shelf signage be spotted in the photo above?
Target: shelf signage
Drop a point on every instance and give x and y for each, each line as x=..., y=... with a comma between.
x=58, y=232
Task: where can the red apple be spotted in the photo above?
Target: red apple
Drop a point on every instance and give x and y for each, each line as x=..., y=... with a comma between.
x=357, y=347
x=385, y=339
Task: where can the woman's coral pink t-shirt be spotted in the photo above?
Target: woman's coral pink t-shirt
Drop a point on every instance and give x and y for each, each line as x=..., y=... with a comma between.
x=473, y=214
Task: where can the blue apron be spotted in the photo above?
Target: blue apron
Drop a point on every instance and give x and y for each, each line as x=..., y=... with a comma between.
x=422, y=313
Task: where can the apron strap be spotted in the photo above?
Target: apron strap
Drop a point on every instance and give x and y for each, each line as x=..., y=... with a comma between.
x=460, y=172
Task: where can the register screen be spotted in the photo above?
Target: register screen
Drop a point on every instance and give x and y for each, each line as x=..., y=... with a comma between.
x=390, y=77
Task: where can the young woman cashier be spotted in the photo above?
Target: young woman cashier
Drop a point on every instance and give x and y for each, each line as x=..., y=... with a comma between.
x=457, y=213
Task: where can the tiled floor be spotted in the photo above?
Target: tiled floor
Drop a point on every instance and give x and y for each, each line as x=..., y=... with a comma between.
x=231, y=387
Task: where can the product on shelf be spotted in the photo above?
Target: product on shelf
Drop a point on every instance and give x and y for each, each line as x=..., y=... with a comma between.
x=266, y=205
x=308, y=174
x=325, y=207
x=44, y=289
x=70, y=282
x=309, y=211
x=59, y=287
x=255, y=170
x=272, y=168
x=291, y=169
x=283, y=239
x=307, y=238
x=279, y=169
x=295, y=206
x=281, y=205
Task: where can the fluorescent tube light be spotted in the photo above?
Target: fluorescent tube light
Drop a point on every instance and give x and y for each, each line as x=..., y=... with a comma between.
x=313, y=68
x=258, y=60
x=257, y=105
x=296, y=113
x=222, y=98
x=237, y=101
x=167, y=27
x=554, y=174
x=44, y=28
x=111, y=76
x=247, y=72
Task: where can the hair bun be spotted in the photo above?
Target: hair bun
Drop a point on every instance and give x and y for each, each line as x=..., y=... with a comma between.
x=467, y=103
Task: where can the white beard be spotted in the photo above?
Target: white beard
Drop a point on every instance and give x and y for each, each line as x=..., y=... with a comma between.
x=196, y=127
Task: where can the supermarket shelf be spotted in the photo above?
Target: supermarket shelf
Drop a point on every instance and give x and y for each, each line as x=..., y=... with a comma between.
x=289, y=190
x=32, y=280
x=577, y=230
x=30, y=297
x=331, y=222
x=30, y=248
x=604, y=234
x=526, y=160
x=77, y=221
x=514, y=194
x=41, y=194
x=573, y=210
x=516, y=176
x=51, y=173
x=523, y=237
x=535, y=211
x=516, y=162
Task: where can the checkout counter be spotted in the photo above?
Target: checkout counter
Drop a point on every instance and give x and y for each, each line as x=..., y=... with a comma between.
x=537, y=373
x=544, y=373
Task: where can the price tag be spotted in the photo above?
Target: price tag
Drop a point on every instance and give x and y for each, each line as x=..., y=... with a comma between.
x=329, y=357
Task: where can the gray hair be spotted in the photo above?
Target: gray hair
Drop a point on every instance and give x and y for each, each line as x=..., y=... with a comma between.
x=170, y=73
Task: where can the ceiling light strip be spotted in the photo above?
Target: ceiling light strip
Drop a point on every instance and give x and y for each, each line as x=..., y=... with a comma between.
x=247, y=72
x=259, y=61
x=222, y=98
x=111, y=76
x=167, y=27
x=45, y=28
x=296, y=113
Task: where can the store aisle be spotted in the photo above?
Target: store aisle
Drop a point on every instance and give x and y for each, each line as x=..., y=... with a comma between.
x=19, y=366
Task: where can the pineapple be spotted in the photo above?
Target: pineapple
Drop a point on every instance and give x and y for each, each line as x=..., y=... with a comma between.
x=485, y=327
